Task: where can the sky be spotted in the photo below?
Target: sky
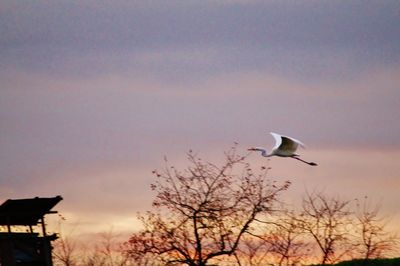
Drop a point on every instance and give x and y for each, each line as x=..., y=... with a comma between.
x=94, y=94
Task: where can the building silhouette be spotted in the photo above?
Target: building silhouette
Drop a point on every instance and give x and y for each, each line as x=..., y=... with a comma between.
x=31, y=247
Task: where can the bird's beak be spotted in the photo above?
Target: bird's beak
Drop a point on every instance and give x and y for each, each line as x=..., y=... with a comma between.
x=251, y=149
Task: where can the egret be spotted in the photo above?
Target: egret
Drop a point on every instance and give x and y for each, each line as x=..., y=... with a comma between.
x=284, y=147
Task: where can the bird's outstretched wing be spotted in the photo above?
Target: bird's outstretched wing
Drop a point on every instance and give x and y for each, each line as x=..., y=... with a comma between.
x=286, y=143
x=278, y=140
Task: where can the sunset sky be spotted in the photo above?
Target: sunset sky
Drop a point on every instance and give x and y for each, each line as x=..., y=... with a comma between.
x=94, y=94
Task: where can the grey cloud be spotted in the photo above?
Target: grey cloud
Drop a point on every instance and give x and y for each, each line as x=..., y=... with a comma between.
x=292, y=38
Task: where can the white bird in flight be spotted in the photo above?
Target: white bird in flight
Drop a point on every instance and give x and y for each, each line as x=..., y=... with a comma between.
x=284, y=147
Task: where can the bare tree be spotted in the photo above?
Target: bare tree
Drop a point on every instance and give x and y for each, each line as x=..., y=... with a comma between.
x=64, y=252
x=65, y=248
x=102, y=250
x=278, y=242
x=374, y=240
x=253, y=251
x=286, y=240
x=108, y=251
x=327, y=221
x=202, y=213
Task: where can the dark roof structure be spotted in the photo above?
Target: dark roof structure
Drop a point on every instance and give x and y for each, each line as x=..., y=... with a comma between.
x=26, y=211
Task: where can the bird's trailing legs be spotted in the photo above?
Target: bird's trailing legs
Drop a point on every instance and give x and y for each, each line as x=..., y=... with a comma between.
x=309, y=163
